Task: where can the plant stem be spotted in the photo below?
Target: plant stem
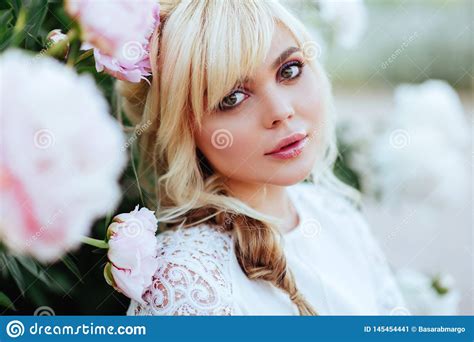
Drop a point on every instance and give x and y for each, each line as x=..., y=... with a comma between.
x=95, y=242
x=18, y=30
x=85, y=55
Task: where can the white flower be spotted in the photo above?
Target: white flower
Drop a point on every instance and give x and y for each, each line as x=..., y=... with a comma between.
x=422, y=298
x=348, y=19
x=61, y=156
x=422, y=153
x=417, y=153
x=433, y=104
x=132, y=252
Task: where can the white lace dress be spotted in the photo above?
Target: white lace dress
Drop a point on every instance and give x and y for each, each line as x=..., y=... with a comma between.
x=337, y=264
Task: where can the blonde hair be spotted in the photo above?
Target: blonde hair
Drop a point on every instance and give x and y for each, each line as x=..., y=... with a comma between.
x=200, y=51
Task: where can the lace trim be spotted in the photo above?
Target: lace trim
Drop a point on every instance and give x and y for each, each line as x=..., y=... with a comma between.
x=192, y=276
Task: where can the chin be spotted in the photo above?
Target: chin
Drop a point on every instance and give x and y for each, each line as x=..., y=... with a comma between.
x=291, y=174
x=294, y=171
x=288, y=180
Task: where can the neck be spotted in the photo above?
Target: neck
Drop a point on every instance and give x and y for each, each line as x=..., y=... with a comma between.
x=268, y=199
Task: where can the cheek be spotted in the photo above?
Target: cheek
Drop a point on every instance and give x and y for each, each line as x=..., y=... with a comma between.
x=309, y=104
x=310, y=101
x=227, y=143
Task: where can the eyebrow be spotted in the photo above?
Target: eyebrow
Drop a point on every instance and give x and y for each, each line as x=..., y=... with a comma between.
x=284, y=55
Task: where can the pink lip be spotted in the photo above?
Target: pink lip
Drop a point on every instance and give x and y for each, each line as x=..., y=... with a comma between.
x=290, y=146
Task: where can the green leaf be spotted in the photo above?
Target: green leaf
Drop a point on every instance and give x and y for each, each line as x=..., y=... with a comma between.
x=34, y=268
x=38, y=297
x=72, y=267
x=3, y=266
x=107, y=221
x=15, y=272
x=15, y=5
x=6, y=27
x=60, y=281
x=6, y=302
x=36, y=13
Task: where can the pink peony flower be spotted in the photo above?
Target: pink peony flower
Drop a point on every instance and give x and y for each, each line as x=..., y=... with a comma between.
x=60, y=157
x=132, y=252
x=115, y=68
x=119, y=32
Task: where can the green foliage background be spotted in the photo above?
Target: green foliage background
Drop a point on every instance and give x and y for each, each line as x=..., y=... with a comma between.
x=74, y=286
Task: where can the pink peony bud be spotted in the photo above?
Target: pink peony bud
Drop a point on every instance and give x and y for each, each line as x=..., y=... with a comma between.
x=132, y=252
x=55, y=37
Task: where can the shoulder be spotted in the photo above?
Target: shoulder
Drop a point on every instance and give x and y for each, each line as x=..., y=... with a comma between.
x=322, y=198
x=192, y=277
x=203, y=240
x=336, y=214
x=344, y=214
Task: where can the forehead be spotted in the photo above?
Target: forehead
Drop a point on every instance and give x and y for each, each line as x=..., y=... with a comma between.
x=282, y=41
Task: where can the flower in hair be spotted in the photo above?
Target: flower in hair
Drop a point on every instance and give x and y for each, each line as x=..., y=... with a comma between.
x=119, y=32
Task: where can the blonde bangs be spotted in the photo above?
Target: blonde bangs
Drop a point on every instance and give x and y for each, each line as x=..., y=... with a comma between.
x=235, y=47
x=233, y=41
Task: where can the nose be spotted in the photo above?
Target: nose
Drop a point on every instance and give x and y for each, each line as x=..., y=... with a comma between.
x=277, y=109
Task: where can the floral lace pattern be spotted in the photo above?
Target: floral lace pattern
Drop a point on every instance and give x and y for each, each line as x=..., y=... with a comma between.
x=192, y=276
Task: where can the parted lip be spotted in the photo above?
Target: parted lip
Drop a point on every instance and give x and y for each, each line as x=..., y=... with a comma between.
x=287, y=141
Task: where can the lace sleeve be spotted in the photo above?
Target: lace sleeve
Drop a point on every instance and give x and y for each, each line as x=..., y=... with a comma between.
x=192, y=276
x=388, y=296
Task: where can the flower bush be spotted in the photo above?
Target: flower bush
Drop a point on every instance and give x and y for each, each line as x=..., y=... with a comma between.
x=63, y=162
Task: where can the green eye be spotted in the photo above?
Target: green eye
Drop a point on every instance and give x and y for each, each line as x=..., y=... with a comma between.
x=291, y=70
x=232, y=100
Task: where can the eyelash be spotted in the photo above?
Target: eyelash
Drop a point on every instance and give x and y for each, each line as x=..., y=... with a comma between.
x=298, y=63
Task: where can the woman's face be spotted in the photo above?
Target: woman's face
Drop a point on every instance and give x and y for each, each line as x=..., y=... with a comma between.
x=283, y=100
